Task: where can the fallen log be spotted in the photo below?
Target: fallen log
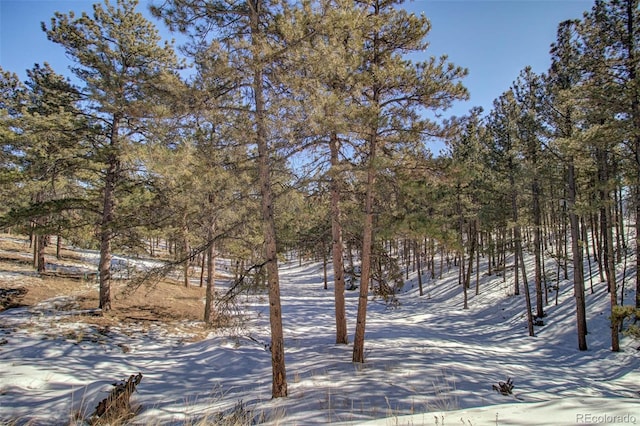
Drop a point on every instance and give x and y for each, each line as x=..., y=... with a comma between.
x=116, y=408
x=80, y=276
x=10, y=297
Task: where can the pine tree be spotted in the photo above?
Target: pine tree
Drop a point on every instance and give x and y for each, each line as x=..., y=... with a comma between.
x=394, y=93
x=324, y=71
x=527, y=94
x=125, y=72
x=502, y=127
x=338, y=82
x=13, y=99
x=563, y=79
x=609, y=35
x=54, y=145
x=45, y=147
x=504, y=147
x=246, y=34
x=467, y=176
x=613, y=27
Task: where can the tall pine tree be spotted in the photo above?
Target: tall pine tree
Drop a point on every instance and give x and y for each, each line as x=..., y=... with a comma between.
x=395, y=94
x=124, y=72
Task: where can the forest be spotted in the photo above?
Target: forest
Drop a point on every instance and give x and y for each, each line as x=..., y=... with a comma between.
x=300, y=131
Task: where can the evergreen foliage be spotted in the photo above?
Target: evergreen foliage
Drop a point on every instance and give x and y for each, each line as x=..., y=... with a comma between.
x=304, y=130
x=126, y=75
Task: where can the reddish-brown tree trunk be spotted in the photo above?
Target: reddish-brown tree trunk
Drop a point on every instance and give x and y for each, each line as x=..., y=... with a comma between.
x=209, y=308
x=108, y=212
x=367, y=242
x=279, y=377
x=337, y=245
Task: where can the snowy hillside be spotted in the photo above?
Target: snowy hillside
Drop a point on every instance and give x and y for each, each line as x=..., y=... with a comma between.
x=427, y=358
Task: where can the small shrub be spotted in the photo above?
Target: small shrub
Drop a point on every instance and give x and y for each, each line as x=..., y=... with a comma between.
x=239, y=415
x=628, y=317
x=444, y=394
x=505, y=388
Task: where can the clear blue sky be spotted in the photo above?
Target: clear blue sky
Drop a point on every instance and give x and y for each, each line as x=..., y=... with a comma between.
x=494, y=39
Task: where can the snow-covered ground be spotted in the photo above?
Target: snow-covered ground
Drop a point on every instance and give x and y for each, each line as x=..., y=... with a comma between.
x=429, y=362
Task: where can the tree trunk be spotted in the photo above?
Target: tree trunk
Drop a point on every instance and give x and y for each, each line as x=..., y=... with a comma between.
x=516, y=236
x=537, y=243
x=606, y=226
x=41, y=244
x=279, y=385
x=418, y=254
x=210, y=313
x=527, y=293
x=367, y=242
x=473, y=245
x=585, y=239
x=478, y=271
x=203, y=267
x=279, y=378
x=618, y=224
x=186, y=249
x=441, y=262
x=325, y=261
x=337, y=245
x=462, y=275
x=576, y=249
x=38, y=240
x=610, y=272
x=108, y=211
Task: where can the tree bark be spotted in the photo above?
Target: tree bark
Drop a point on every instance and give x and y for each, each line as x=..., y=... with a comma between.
x=58, y=247
x=418, y=254
x=325, y=266
x=527, y=293
x=367, y=242
x=516, y=236
x=473, y=245
x=41, y=244
x=478, y=270
x=186, y=249
x=210, y=292
x=610, y=272
x=578, y=269
x=279, y=378
x=108, y=211
x=607, y=241
x=337, y=244
x=537, y=243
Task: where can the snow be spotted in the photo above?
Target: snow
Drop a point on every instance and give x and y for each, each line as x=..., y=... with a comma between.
x=428, y=362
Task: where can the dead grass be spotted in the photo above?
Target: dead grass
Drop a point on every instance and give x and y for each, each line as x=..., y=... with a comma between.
x=167, y=302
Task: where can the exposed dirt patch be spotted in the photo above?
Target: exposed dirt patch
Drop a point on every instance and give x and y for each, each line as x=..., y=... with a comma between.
x=167, y=302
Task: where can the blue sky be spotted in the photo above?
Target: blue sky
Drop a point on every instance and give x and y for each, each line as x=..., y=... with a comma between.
x=494, y=39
